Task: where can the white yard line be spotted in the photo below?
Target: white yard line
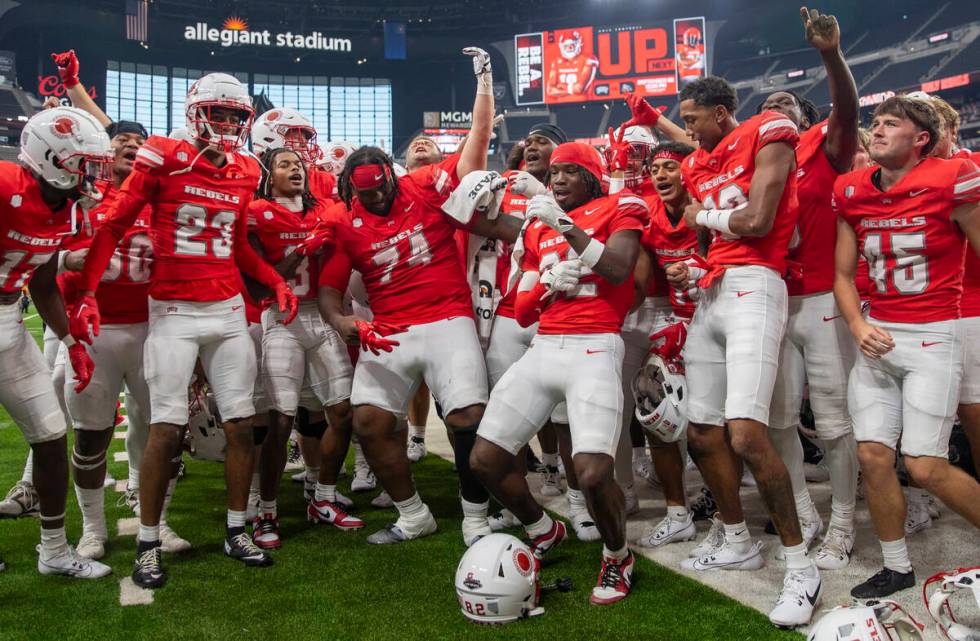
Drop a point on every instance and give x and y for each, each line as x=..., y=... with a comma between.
x=132, y=594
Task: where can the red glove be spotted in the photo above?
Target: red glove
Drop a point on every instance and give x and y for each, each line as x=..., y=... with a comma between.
x=370, y=335
x=82, y=365
x=86, y=313
x=643, y=114
x=288, y=303
x=618, y=151
x=317, y=240
x=67, y=67
x=674, y=336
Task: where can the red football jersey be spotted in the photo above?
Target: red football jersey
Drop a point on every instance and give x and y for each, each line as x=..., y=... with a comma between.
x=573, y=77
x=596, y=306
x=914, y=249
x=812, y=246
x=970, y=305
x=197, y=223
x=409, y=259
x=720, y=179
x=323, y=184
x=513, y=205
x=30, y=232
x=669, y=243
x=279, y=231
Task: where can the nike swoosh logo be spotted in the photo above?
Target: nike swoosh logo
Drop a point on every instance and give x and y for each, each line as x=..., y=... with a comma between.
x=827, y=319
x=925, y=344
x=595, y=351
x=235, y=308
x=379, y=177
x=589, y=212
x=409, y=208
x=731, y=147
x=739, y=533
x=740, y=294
x=812, y=598
x=913, y=194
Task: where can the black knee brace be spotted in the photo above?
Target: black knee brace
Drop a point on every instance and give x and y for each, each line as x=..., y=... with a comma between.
x=470, y=487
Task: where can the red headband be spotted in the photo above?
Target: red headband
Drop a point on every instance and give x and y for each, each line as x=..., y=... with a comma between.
x=581, y=154
x=368, y=176
x=668, y=155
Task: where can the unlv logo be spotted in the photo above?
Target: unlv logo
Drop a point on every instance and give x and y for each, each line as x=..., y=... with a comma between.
x=273, y=115
x=64, y=127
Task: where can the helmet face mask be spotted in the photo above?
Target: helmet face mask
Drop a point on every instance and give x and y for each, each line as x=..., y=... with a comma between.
x=68, y=149
x=208, y=102
x=89, y=170
x=938, y=603
x=661, y=400
x=286, y=128
x=877, y=621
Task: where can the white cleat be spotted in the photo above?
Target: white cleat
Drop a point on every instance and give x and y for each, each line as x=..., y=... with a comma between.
x=811, y=527
x=551, y=485
x=798, y=599
x=917, y=518
x=393, y=533
x=632, y=503
x=171, y=542
x=669, y=531
x=933, y=506
x=131, y=499
x=502, y=520
x=835, y=551
x=21, y=500
x=416, y=449
x=712, y=541
x=727, y=558
x=584, y=527
x=475, y=528
x=92, y=545
x=69, y=563
x=643, y=467
x=364, y=480
x=299, y=477
x=747, y=479
x=345, y=502
x=381, y=501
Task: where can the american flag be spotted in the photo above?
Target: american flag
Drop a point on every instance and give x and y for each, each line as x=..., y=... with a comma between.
x=137, y=25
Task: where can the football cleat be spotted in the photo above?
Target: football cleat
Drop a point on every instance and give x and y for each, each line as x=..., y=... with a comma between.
x=131, y=499
x=265, y=532
x=712, y=541
x=884, y=583
x=534, y=464
x=241, y=548
x=343, y=501
x=70, y=563
x=474, y=528
x=615, y=580
x=393, y=533
x=917, y=517
x=364, y=480
x=669, y=530
x=171, y=542
x=299, y=477
x=91, y=545
x=3, y=566
x=502, y=520
x=727, y=558
x=933, y=506
x=382, y=501
x=416, y=449
x=541, y=545
x=811, y=526
x=309, y=489
x=704, y=507
x=294, y=460
x=551, y=483
x=148, y=568
x=631, y=502
x=798, y=598
x=584, y=527
x=835, y=551
x=334, y=514
x=21, y=500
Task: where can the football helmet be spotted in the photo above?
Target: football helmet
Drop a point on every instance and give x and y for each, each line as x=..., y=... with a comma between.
x=333, y=156
x=214, y=91
x=692, y=37
x=641, y=143
x=278, y=128
x=659, y=389
x=497, y=581
x=874, y=622
x=570, y=46
x=68, y=148
x=204, y=431
x=967, y=579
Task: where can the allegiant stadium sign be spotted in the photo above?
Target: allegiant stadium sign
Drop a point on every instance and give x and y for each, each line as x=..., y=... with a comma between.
x=235, y=31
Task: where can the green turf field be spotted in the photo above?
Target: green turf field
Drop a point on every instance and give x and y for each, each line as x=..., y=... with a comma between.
x=327, y=584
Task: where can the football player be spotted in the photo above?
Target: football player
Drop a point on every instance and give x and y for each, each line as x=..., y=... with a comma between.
x=815, y=350
x=63, y=150
x=743, y=181
x=305, y=350
x=403, y=244
x=198, y=193
x=285, y=127
x=908, y=216
x=578, y=285
x=574, y=72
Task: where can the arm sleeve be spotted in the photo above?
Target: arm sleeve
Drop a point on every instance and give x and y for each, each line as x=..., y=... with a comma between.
x=776, y=127
x=133, y=196
x=528, y=305
x=336, y=271
x=248, y=261
x=632, y=213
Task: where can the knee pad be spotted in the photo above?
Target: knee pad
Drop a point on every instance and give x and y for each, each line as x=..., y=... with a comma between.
x=259, y=432
x=312, y=430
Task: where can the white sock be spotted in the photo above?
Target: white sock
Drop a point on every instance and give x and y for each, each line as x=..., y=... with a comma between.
x=804, y=504
x=576, y=500
x=149, y=533
x=53, y=542
x=236, y=518
x=359, y=455
x=28, y=476
x=411, y=508
x=256, y=482
x=841, y=515
x=618, y=555
x=539, y=527
x=551, y=460
x=840, y=455
x=92, y=505
x=416, y=430
x=796, y=557
x=325, y=493
x=896, y=555
x=737, y=535
x=312, y=474
x=790, y=449
x=269, y=507
x=167, y=497
x=475, y=510
x=134, y=479
x=677, y=512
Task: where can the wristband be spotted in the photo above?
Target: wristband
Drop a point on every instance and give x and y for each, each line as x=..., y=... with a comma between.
x=616, y=185
x=62, y=257
x=484, y=84
x=69, y=341
x=717, y=219
x=592, y=253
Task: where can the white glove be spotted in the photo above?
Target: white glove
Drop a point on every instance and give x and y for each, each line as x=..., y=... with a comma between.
x=544, y=208
x=482, y=70
x=694, y=274
x=478, y=191
x=524, y=184
x=564, y=276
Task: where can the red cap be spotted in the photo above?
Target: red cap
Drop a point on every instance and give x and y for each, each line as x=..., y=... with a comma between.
x=368, y=176
x=583, y=155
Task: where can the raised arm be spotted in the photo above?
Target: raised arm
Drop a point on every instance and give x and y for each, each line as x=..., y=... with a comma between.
x=68, y=70
x=474, y=153
x=646, y=116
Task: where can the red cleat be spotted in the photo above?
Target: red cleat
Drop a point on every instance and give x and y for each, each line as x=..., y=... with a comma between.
x=543, y=544
x=615, y=580
x=333, y=513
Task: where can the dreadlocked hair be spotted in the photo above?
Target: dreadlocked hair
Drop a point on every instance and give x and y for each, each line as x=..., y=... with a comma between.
x=592, y=184
x=269, y=162
x=365, y=156
x=807, y=107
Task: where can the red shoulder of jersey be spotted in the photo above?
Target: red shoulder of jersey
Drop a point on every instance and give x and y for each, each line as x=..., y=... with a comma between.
x=159, y=155
x=811, y=142
x=439, y=177
x=323, y=184
x=966, y=187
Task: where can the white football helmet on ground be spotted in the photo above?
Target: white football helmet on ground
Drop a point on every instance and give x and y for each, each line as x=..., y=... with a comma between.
x=883, y=621
x=497, y=581
x=335, y=154
x=207, y=437
x=965, y=579
x=218, y=90
x=660, y=392
x=68, y=148
x=285, y=127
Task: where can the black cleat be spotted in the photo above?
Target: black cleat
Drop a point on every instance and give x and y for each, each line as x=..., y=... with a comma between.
x=239, y=546
x=148, y=568
x=884, y=583
x=704, y=507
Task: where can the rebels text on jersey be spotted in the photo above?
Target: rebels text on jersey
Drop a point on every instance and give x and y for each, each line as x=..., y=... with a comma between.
x=720, y=179
x=31, y=233
x=914, y=250
x=595, y=306
x=669, y=243
x=409, y=259
x=279, y=231
x=197, y=223
x=816, y=235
